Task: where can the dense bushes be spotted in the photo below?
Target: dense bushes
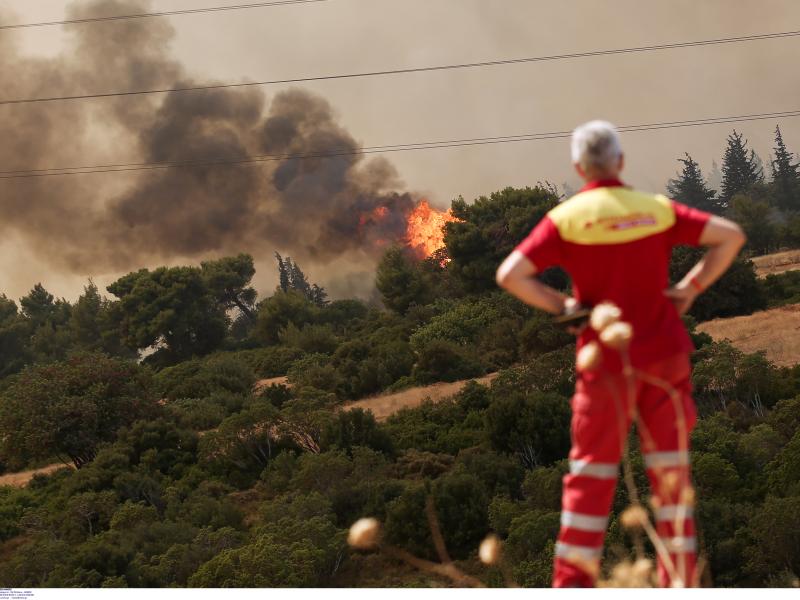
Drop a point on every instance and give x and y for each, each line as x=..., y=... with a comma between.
x=782, y=289
x=69, y=408
x=265, y=499
x=199, y=378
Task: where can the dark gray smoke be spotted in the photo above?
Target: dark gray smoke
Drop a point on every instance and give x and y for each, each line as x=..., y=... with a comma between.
x=342, y=208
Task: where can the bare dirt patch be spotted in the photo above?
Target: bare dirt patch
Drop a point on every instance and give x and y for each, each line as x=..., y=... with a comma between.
x=386, y=405
x=780, y=262
x=775, y=331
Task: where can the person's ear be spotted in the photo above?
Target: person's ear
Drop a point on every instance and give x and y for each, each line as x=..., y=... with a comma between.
x=621, y=162
x=580, y=171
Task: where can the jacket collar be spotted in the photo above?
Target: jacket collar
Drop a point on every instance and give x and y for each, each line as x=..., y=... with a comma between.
x=597, y=183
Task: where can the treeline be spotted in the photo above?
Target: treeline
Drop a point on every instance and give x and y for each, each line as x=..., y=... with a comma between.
x=185, y=474
x=765, y=204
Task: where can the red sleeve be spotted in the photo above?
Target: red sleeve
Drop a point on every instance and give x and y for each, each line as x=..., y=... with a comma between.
x=543, y=245
x=689, y=224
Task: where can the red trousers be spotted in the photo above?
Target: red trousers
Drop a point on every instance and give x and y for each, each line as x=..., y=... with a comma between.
x=603, y=407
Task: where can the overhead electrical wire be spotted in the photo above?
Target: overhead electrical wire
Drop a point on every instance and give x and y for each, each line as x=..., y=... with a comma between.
x=167, y=13
x=387, y=72
x=478, y=141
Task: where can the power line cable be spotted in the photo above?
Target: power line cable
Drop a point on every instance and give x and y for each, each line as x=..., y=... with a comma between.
x=478, y=141
x=448, y=67
x=169, y=13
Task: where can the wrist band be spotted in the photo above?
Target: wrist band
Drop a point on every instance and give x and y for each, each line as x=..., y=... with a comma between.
x=696, y=284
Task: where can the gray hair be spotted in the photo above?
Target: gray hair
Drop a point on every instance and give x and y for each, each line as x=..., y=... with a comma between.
x=596, y=146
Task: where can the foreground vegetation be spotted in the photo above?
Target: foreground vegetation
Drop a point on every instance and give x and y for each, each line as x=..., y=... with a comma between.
x=186, y=476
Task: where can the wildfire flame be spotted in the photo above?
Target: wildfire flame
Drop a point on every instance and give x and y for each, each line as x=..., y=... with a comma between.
x=425, y=231
x=378, y=214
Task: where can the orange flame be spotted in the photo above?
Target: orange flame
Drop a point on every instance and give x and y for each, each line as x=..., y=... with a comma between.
x=378, y=214
x=425, y=231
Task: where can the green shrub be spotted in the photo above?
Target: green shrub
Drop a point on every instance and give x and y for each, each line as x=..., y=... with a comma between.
x=200, y=378
x=443, y=360
x=268, y=362
x=535, y=427
x=782, y=288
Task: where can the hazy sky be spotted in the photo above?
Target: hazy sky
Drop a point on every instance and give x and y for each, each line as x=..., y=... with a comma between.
x=341, y=36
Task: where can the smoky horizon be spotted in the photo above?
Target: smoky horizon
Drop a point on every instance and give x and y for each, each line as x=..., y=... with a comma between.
x=335, y=215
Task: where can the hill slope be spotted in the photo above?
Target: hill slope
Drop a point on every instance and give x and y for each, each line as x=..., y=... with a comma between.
x=386, y=405
x=775, y=331
x=381, y=406
x=780, y=262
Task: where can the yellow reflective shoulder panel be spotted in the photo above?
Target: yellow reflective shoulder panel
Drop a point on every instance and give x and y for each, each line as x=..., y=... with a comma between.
x=613, y=215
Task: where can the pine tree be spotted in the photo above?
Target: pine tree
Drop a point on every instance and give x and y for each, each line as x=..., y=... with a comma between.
x=318, y=295
x=297, y=279
x=785, y=176
x=690, y=188
x=740, y=170
x=283, y=273
x=38, y=305
x=85, y=318
x=292, y=278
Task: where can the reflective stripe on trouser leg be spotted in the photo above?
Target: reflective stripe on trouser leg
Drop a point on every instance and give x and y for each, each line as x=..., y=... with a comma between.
x=582, y=521
x=576, y=553
x=597, y=470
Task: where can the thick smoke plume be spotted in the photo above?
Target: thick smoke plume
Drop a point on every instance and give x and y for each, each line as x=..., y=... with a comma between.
x=340, y=210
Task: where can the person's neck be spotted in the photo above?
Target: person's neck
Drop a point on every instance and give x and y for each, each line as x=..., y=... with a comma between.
x=605, y=181
x=606, y=176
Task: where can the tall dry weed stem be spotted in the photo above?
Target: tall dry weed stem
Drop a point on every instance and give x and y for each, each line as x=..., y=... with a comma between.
x=445, y=568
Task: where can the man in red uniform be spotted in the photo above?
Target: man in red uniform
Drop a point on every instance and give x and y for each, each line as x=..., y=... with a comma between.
x=616, y=243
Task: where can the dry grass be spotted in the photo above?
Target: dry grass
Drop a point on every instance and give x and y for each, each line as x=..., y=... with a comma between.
x=780, y=262
x=775, y=331
x=265, y=383
x=385, y=406
x=22, y=478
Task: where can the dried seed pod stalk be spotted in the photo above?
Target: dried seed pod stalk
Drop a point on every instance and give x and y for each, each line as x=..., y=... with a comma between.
x=489, y=551
x=603, y=315
x=634, y=517
x=364, y=534
x=626, y=574
x=617, y=335
x=589, y=357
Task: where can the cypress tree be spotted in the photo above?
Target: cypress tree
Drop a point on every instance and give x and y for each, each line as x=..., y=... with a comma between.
x=740, y=169
x=318, y=295
x=298, y=280
x=292, y=278
x=690, y=188
x=283, y=273
x=785, y=175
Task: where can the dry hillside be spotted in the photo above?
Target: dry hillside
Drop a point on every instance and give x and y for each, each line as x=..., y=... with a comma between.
x=381, y=406
x=386, y=405
x=22, y=478
x=775, y=331
x=780, y=262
